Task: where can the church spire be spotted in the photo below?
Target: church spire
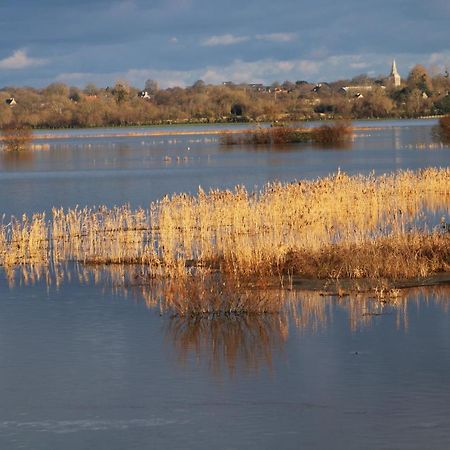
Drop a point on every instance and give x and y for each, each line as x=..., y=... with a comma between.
x=395, y=76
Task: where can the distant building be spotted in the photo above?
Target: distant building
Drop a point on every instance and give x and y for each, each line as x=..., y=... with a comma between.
x=11, y=101
x=355, y=89
x=394, y=76
x=145, y=94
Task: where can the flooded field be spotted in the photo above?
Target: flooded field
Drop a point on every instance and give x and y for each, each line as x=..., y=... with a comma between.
x=91, y=357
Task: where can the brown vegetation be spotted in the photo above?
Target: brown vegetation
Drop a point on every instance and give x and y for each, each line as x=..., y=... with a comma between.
x=443, y=129
x=16, y=137
x=58, y=105
x=339, y=133
x=332, y=228
x=336, y=134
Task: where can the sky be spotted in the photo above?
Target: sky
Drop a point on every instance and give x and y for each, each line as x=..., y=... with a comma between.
x=177, y=42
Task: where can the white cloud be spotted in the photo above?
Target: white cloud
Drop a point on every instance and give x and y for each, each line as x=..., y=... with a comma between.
x=224, y=39
x=276, y=37
x=20, y=60
x=260, y=71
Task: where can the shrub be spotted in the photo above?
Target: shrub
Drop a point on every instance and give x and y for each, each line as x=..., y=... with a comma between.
x=339, y=133
x=443, y=129
x=16, y=137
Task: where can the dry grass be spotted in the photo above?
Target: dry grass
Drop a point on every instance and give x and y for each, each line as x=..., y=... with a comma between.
x=15, y=137
x=206, y=250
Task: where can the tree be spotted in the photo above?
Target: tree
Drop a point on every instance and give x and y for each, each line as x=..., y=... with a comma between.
x=120, y=91
x=91, y=89
x=419, y=78
x=151, y=86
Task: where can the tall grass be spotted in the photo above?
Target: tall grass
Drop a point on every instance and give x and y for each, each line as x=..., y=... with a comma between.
x=206, y=250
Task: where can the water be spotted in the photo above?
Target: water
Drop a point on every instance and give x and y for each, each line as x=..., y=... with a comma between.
x=138, y=170
x=92, y=365
x=82, y=367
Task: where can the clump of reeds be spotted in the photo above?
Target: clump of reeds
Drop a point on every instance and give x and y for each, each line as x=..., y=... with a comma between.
x=336, y=134
x=266, y=136
x=331, y=228
x=426, y=254
x=24, y=241
x=443, y=129
x=16, y=137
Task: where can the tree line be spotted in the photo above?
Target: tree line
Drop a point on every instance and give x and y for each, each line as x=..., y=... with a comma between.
x=62, y=106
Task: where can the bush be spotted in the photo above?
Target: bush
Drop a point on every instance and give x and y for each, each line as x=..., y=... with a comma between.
x=443, y=129
x=340, y=133
x=16, y=137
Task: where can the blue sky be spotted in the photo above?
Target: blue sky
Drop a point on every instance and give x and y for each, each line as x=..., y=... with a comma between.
x=180, y=41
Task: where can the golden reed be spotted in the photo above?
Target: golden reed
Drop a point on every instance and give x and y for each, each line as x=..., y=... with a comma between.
x=341, y=226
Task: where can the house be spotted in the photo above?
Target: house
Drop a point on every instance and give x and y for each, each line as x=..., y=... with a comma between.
x=11, y=101
x=355, y=89
x=145, y=94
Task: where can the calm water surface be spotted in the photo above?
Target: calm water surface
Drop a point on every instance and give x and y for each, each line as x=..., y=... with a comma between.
x=138, y=170
x=83, y=366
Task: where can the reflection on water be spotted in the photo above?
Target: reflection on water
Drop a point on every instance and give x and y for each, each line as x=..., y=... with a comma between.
x=236, y=342
x=14, y=160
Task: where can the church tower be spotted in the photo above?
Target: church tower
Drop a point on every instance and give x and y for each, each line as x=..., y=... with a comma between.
x=394, y=77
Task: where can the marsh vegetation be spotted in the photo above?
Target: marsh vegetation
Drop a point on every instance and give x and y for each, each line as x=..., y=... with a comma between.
x=336, y=134
x=208, y=250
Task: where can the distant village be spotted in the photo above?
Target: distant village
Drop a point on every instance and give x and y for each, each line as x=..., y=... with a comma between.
x=418, y=94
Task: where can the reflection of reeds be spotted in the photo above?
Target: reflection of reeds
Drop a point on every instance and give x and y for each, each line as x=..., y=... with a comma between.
x=241, y=342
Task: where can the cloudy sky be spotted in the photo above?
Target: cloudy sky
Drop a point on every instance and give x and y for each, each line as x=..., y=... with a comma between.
x=180, y=41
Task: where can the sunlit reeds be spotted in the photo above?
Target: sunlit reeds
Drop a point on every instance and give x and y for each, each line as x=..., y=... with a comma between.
x=214, y=245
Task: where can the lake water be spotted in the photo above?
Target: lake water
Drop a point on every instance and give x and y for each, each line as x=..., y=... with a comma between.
x=137, y=170
x=89, y=365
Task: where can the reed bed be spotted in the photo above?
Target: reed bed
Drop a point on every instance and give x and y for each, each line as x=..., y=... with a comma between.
x=337, y=134
x=215, y=245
